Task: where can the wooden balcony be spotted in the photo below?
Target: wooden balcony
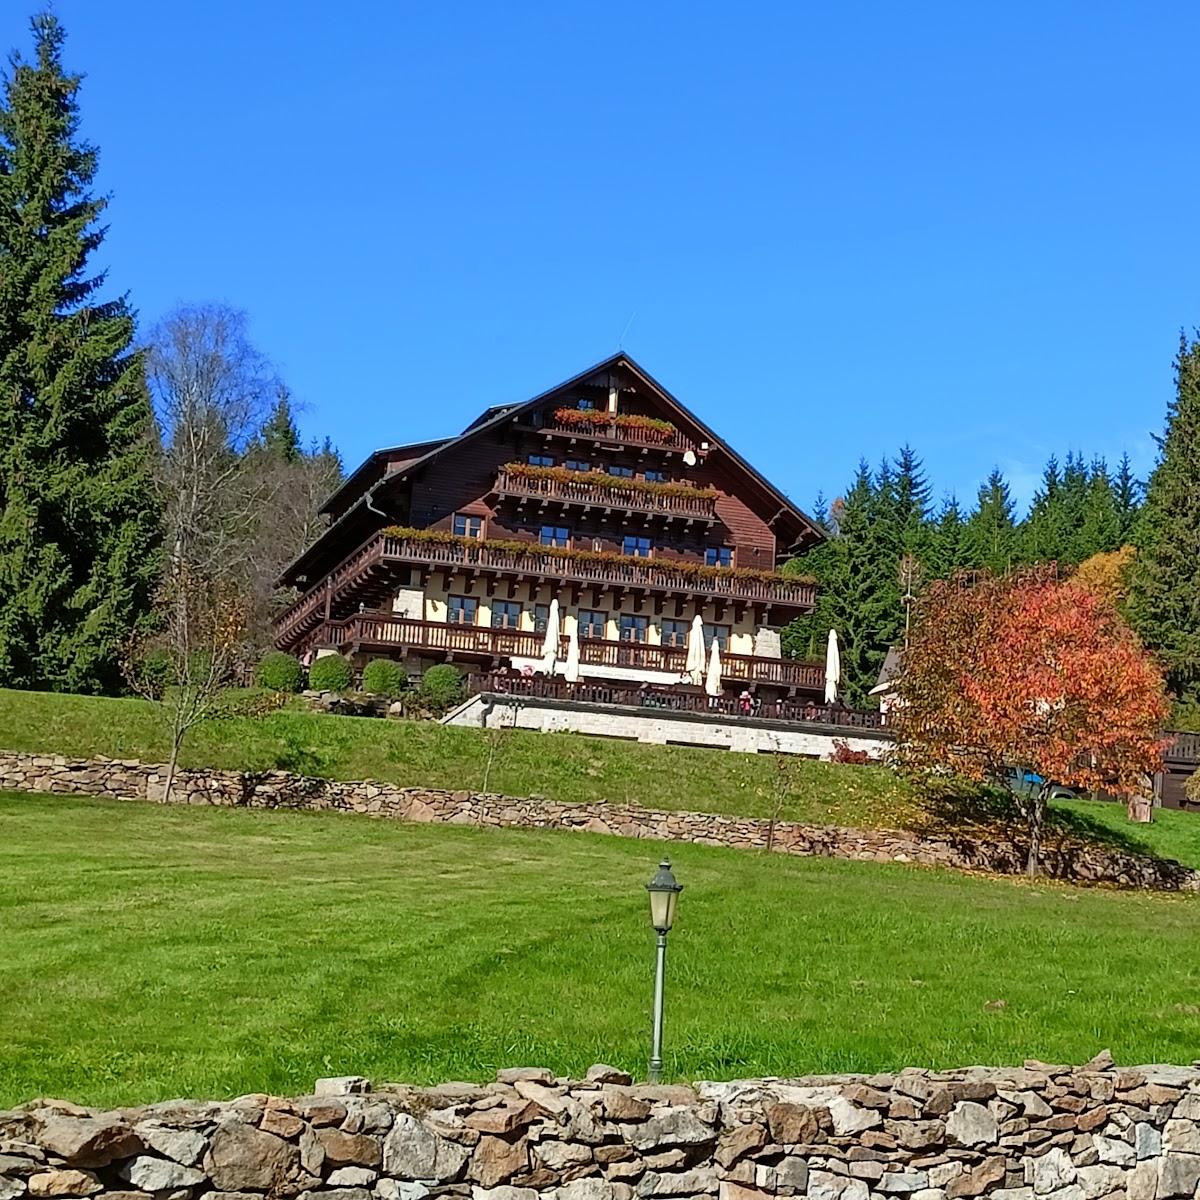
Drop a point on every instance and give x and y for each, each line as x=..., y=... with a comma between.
x=367, y=574
x=588, y=495
x=687, y=700
x=366, y=632
x=614, y=434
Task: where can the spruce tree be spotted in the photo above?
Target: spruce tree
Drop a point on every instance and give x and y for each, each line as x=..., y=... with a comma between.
x=1128, y=491
x=78, y=530
x=280, y=437
x=1164, y=601
x=990, y=537
x=947, y=552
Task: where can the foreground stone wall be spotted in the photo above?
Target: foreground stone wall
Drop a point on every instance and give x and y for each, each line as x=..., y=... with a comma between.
x=1064, y=859
x=1057, y=1133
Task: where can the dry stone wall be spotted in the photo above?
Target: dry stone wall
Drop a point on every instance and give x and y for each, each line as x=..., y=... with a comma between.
x=1034, y=1133
x=1065, y=859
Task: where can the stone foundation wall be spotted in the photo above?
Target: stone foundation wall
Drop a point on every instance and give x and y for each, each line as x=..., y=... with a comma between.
x=1081, y=862
x=1035, y=1133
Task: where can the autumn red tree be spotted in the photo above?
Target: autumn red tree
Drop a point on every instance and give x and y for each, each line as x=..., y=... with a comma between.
x=1028, y=672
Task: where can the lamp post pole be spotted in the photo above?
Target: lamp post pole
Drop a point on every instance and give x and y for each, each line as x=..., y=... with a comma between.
x=660, y=970
x=664, y=893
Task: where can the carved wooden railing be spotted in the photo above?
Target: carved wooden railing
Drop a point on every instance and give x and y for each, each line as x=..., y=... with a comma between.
x=572, y=491
x=673, y=699
x=618, y=434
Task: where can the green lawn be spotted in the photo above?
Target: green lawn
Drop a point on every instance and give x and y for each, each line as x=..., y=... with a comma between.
x=563, y=766
x=147, y=952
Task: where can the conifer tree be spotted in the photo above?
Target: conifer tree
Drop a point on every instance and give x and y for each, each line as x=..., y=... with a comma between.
x=947, y=552
x=1164, y=602
x=1128, y=490
x=990, y=537
x=280, y=437
x=78, y=527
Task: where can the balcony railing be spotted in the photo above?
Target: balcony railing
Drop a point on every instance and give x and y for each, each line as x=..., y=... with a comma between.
x=385, y=549
x=618, y=434
x=593, y=495
x=674, y=700
x=383, y=630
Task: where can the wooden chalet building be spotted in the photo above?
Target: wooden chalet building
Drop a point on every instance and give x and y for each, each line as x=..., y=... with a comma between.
x=605, y=493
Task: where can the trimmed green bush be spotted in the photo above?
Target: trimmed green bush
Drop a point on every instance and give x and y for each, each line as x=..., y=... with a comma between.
x=383, y=677
x=279, y=672
x=331, y=673
x=441, y=686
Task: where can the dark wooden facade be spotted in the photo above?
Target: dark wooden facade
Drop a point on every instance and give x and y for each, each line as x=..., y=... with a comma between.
x=605, y=494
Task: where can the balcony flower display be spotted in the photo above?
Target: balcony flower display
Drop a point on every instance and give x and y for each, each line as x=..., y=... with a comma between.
x=651, y=429
x=611, y=483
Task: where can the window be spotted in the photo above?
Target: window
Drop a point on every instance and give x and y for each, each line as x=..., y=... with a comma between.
x=592, y=624
x=633, y=628
x=639, y=547
x=675, y=633
x=586, y=403
x=467, y=526
x=654, y=476
x=718, y=556
x=540, y=460
x=541, y=617
x=506, y=614
x=718, y=634
x=621, y=472
x=554, y=535
x=577, y=464
x=462, y=610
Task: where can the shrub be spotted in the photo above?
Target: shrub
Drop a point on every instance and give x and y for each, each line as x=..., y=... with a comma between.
x=842, y=753
x=383, y=677
x=331, y=673
x=279, y=672
x=441, y=687
x=156, y=671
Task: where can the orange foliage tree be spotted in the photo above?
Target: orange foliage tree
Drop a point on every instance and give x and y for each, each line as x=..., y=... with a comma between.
x=1028, y=672
x=1107, y=573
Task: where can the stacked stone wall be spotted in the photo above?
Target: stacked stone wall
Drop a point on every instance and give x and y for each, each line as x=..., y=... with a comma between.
x=1034, y=1133
x=1084, y=862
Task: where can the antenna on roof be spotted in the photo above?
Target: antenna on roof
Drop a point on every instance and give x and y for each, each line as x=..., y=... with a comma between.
x=621, y=339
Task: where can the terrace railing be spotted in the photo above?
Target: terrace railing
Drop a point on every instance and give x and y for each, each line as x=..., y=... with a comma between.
x=591, y=494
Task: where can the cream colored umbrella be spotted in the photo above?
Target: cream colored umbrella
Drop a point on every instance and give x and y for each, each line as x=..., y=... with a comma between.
x=693, y=666
x=712, y=683
x=550, y=641
x=571, y=670
x=833, y=668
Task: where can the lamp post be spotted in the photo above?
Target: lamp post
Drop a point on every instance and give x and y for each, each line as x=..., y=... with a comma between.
x=664, y=893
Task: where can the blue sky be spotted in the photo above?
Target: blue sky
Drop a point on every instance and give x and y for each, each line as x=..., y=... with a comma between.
x=836, y=228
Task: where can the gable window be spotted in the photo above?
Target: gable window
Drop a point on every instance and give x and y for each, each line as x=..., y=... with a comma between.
x=718, y=634
x=675, y=633
x=461, y=610
x=592, y=623
x=577, y=464
x=718, y=556
x=586, y=404
x=506, y=614
x=621, y=472
x=466, y=525
x=555, y=535
x=540, y=460
x=654, y=476
x=633, y=628
x=638, y=547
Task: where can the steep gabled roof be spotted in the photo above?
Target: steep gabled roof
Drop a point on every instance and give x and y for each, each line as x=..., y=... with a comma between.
x=427, y=452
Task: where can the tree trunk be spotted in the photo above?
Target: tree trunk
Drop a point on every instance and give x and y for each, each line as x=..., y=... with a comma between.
x=1037, y=820
x=175, y=744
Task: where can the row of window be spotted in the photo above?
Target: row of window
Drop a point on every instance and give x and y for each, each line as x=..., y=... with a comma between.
x=593, y=623
x=580, y=464
x=632, y=544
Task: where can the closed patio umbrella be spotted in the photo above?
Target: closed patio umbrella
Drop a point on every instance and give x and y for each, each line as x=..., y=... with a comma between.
x=550, y=641
x=833, y=668
x=694, y=664
x=571, y=670
x=712, y=684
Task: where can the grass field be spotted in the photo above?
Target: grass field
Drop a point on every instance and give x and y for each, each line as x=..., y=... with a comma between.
x=564, y=766
x=147, y=952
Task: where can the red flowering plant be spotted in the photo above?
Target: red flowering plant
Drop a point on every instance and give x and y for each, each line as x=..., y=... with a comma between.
x=653, y=429
x=612, y=483
x=1027, y=673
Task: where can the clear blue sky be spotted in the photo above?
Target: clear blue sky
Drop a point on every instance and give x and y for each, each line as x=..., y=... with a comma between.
x=841, y=227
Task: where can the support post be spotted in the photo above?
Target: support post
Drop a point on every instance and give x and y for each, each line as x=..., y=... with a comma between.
x=660, y=968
